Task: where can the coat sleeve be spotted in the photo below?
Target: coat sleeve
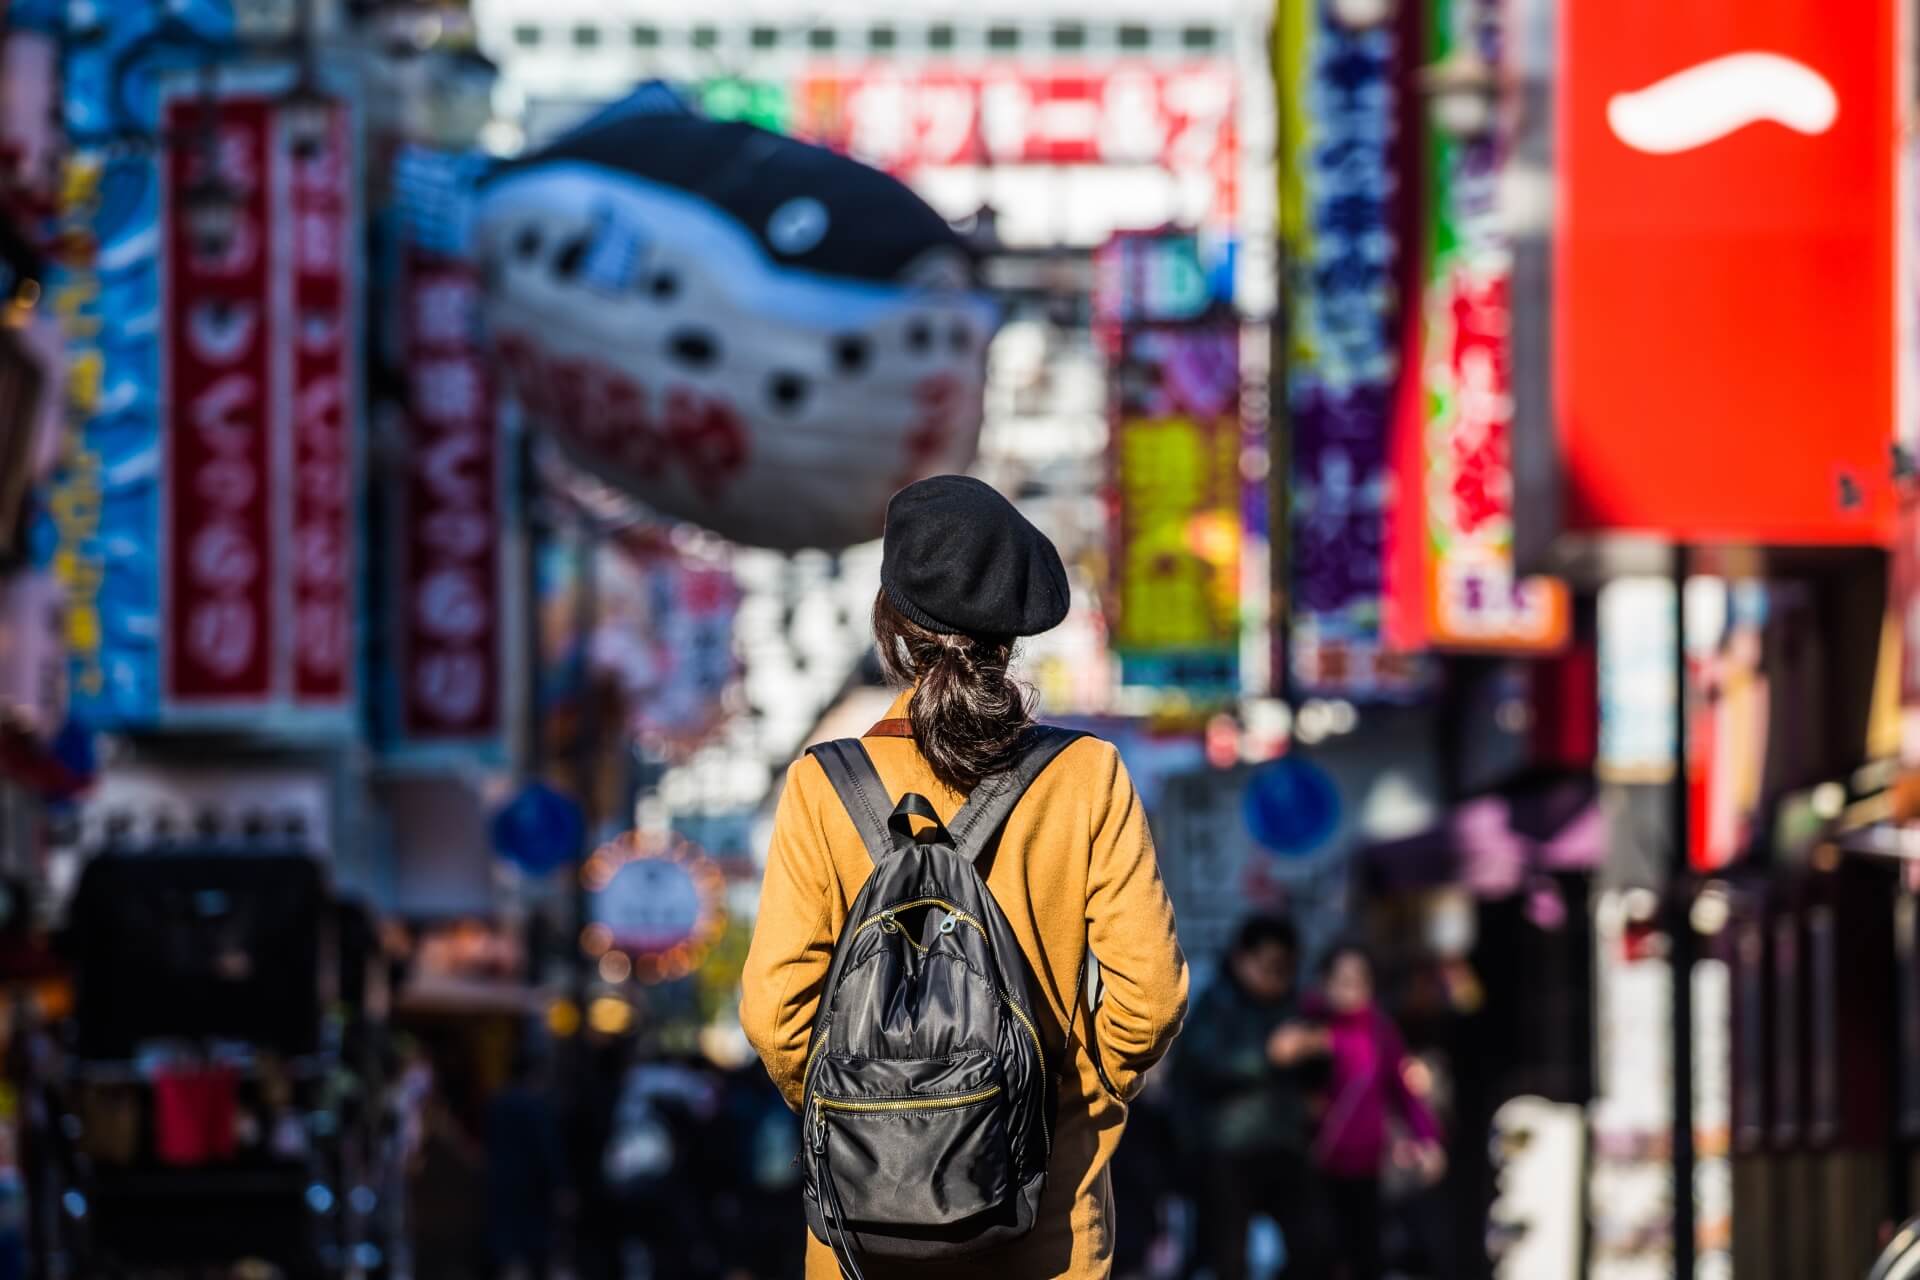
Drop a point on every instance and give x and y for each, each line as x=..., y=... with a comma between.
x=1143, y=974
x=792, y=940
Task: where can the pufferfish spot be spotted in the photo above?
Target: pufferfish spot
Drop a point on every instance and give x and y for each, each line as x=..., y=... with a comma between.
x=851, y=352
x=572, y=255
x=695, y=348
x=663, y=286
x=787, y=390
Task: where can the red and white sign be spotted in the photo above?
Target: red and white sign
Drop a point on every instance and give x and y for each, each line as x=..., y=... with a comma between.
x=903, y=119
x=220, y=546
x=1474, y=600
x=322, y=547
x=450, y=603
x=1725, y=330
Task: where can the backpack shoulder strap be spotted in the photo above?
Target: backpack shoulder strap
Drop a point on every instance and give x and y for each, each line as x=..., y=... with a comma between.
x=850, y=769
x=986, y=810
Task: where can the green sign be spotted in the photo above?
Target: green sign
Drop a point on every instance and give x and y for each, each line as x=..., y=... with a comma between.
x=758, y=102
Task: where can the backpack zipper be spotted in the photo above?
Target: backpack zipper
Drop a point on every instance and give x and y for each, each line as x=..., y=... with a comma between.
x=885, y=918
x=813, y=1051
x=907, y=1104
x=1046, y=1131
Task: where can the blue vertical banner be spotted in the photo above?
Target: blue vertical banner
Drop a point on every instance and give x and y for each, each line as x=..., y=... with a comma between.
x=105, y=287
x=202, y=519
x=1346, y=151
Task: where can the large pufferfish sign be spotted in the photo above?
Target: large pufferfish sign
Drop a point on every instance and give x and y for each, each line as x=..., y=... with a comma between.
x=738, y=329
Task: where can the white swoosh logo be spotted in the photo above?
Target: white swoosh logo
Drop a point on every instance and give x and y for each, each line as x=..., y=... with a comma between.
x=1707, y=102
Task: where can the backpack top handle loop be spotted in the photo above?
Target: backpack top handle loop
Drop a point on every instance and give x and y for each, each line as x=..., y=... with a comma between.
x=914, y=805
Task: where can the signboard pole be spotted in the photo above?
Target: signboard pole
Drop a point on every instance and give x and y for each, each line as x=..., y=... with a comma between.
x=586, y=740
x=1680, y=934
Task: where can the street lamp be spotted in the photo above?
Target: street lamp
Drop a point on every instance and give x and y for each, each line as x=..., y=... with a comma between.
x=1463, y=91
x=981, y=230
x=1362, y=15
x=307, y=115
x=212, y=209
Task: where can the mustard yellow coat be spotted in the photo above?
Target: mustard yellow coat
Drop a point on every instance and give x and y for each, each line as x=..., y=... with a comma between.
x=1074, y=872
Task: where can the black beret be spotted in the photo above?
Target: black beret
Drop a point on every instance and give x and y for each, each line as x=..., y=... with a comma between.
x=959, y=559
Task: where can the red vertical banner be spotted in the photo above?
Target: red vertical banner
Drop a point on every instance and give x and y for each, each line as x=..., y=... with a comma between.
x=322, y=408
x=449, y=608
x=219, y=614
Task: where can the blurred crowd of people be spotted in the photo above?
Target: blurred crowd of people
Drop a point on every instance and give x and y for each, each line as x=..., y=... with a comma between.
x=624, y=1163
x=1291, y=1100
x=1292, y=1103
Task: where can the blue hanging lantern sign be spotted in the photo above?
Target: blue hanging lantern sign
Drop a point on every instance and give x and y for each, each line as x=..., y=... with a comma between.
x=539, y=830
x=1292, y=807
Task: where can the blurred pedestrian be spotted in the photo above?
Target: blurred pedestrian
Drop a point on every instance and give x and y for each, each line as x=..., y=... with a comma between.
x=760, y=1237
x=658, y=1163
x=526, y=1173
x=1247, y=1066
x=446, y=1197
x=963, y=574
x=1367, y=1093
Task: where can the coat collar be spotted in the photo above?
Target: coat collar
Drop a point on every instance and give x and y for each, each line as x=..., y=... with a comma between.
x=895, y=723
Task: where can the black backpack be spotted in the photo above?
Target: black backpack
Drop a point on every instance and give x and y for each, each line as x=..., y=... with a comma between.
x=928, y=1115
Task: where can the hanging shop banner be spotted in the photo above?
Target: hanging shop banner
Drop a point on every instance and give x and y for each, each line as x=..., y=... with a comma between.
x=1345, y=115
x=325, y=404
x=904, y=119
x=1629, y=1187
x=171, y=519
x=772, y=357
x=1150, y=277
x=1473, y=599
x=448, y=606
x=1176, y=476
x=261, y=411
x=1637, y=716
x=665, y=635
x=1727, y=268
x=222, y=557
x=104, y=504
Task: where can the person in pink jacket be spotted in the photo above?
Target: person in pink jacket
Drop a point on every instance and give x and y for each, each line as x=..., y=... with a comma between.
x=1366, y=1090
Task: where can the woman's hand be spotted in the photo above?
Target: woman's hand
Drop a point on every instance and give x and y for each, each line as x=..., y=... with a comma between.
x=1294, y=1041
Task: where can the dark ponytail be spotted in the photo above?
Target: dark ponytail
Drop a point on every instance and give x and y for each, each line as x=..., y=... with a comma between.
x=967, y=713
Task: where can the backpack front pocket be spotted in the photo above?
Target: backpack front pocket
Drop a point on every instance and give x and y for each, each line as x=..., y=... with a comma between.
x=919, y=1142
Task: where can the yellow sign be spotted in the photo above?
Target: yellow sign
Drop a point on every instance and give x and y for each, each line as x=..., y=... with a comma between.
x=1179, y=536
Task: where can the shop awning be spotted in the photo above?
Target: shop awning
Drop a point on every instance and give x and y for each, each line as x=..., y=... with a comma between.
x=473, y=996
x=1490, y=843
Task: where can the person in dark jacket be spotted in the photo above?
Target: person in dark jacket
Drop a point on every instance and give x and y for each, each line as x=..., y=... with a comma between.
x=526, y=1172
x=1245, y=1073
